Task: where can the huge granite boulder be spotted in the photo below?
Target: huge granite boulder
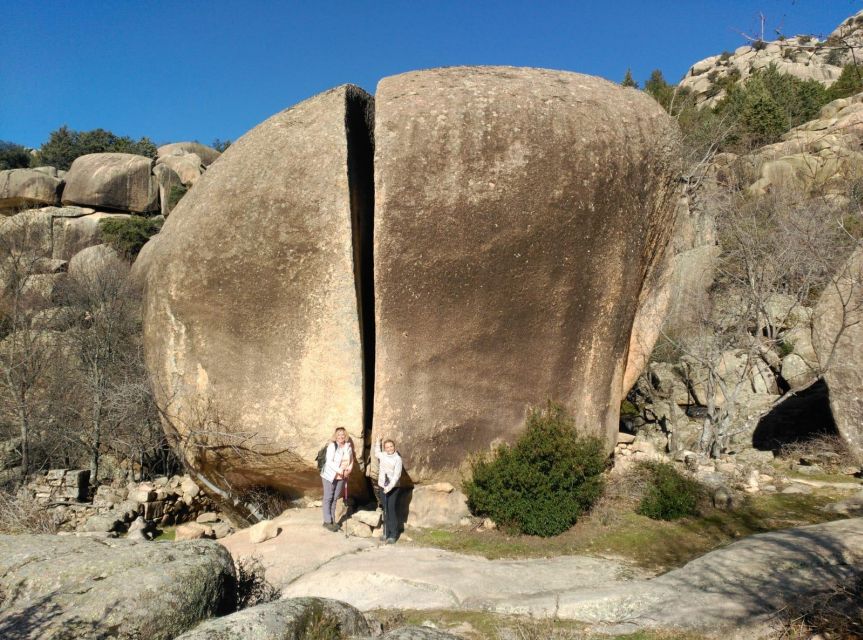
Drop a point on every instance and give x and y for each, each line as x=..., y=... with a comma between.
x=252, y=319
x=837, y=337
x=25, y=187
x=520, y=215
x=207, y=155
x=188, y=167
x=64, y=587
x=121, y=181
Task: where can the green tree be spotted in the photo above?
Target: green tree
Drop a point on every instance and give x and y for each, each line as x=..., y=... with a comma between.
x=65, y=144
x=849, y=82
x=628, y=81
x=659, y=89
x=541, y=484
x=13, y=156
x=220, y=145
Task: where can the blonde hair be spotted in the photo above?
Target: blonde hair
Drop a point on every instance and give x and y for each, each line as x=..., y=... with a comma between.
x=389, y=441
x=336, y=433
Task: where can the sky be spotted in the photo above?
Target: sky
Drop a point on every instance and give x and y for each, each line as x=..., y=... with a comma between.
x=178, y=70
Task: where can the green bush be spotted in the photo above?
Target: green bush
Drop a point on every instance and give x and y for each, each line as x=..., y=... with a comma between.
x=65, y=144
x=541, y=484
x=13, y=156
x=670, y=494
x=128, y=235
x=176, y=194
x=849, y=82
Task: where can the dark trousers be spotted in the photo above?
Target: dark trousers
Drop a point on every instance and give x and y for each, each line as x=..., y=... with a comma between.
x=390, y=504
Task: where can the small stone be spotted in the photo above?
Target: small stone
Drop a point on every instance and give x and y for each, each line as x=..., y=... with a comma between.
x=625, y=438
x=369, y=518
x=797, y=489
x=358, y=529
x=190, y=531
x=207, y=517
x=262, y=531
x=441, y=487
x=221, y=529
x=488, y=523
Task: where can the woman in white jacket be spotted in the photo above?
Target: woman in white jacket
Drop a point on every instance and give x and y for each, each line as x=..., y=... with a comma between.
x=389, y=472
x=337, y=468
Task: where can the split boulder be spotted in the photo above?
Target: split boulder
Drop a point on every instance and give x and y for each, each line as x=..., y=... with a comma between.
x=519, y=215
x=251, y=313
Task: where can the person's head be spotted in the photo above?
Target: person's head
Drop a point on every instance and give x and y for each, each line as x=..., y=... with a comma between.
x=340, y=435
x=389, y=446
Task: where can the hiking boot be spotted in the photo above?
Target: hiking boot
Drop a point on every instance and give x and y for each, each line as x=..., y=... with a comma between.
x=329, y=526
x=391, y=540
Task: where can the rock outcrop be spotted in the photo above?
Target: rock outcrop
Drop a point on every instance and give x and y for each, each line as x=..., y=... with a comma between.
x=65, y=587
x=252, y=311
x=803, y=56
x=28, y=187
x=519, y=217
x=121, y=181
x=206, y=155
x=292, y=619
x=837, y=337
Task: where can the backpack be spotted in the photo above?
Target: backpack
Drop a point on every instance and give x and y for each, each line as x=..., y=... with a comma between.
x=321, y=458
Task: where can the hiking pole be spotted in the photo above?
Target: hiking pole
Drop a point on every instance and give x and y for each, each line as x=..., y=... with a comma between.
x=347, y=509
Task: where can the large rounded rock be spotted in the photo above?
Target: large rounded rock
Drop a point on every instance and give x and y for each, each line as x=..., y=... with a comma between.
x=72, y=235
x=519, y=215
x=25, y=187
x=252, y=320
x=292, y=619
x=837, y=337
x=64, y=587
x=207, y=155
x=120, y=181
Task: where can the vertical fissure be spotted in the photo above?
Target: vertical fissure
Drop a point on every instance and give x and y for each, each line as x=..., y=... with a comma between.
x=359, y=128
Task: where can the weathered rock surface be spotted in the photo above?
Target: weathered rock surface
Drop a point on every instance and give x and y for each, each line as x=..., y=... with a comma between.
x=518, y=216
x=65, y=587
x=436, y=505
x=837, y=337
x=252, y=317
x=188, y=167
x=94, y=260
x=120, y=181
x=206, y=154
x=282, y=620
x=24, y=187
x=167, y=179
x=71, y=235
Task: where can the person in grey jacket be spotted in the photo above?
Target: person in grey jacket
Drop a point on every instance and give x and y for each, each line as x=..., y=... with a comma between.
x=337, y=468
x=389, y=473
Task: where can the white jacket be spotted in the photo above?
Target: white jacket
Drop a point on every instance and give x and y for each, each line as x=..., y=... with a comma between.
x=337, y=457
x=389, y=468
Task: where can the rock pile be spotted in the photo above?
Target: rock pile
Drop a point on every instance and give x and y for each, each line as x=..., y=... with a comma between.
x=162, y=502
x=122, y=182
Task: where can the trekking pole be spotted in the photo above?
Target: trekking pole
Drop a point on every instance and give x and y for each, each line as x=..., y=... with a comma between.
x=347, y=509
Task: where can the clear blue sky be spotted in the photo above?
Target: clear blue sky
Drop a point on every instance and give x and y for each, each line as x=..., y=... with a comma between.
x=201, y=69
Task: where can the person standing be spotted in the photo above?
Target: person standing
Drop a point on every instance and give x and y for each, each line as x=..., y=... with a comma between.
x=389, y=473
x=336, y=470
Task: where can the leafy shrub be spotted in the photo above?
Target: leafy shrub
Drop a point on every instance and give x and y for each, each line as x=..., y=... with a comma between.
x=319, y=624
x=836, y=56
x=670, y=494
x=65, y=144
x=13, y=156
x=758, y=45
x=176, y=194
x=220, y=145
x=725, y=55
x=849, y=82
x=767, y=105
x=128, y=235
x=541, y=484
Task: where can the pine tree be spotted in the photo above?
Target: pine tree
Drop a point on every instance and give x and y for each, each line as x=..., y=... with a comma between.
x=628, y=80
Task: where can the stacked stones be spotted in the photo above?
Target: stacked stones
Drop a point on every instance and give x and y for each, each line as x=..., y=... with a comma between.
x=164, y=501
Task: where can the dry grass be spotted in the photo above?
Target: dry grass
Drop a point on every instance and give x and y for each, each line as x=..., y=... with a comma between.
x=837, y=614
x=828, y=451
x=20, y=513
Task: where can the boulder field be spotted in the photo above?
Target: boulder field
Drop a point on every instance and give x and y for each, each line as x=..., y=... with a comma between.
x=423, y=265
